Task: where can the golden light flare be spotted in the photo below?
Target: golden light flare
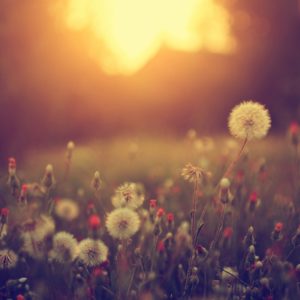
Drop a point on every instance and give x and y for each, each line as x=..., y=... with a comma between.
x=128, y=33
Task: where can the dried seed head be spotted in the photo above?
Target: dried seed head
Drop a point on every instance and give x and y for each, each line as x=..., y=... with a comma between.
x=70, y=146
x=96, y=182
x=122, y=223
x=249, y=120
x=225, y=183
x=92, y=252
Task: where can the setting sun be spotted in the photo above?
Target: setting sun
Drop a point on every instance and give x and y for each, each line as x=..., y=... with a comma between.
x=125, y=35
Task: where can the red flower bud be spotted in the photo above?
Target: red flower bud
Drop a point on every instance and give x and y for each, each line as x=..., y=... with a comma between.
x=97, y=272
x=278, y=226
x=24, y=188
x=160, y=246
x=170, y=217
x=294, y=128
x=253, y=197
x=20, y=297
x=94, y=221
x=160, y=212
x=227, y=233
x=4, y=211
x=153, y=203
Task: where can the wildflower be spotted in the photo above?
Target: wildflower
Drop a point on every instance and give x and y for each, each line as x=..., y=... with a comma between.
x=153, y=203
x=170, y=217
x=13, y=180
x=96, y=182
x=23, y=195
x=227, y=232
x=224, y=194
x=70, y=149
x=8, y=259
x=66, y=209
x=94, y=221
x=249, y=120
x=294, y=133
x=34, y=234
x=92, y=252
x=276, y=233
x=193, y=174
x=249, y=238
x=64, y=247
x=128, y=195
x=4, y=215
x=160, y=212
x=160, y=247
x=122, y=223
x=48, y=180
x=182, y=236
x=12, y=166
x=229, y=274
x=254, y=201
x=250, y=258
x=90, y=208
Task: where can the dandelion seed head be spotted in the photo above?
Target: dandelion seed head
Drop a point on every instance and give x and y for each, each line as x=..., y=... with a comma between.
x=8, y=259
x=249, y=120
x=70, y=146
x=64, y=247
x=122, y=223
x=129, y=195
x=66, y=209
x=192, y=173
x=225, y=183
x=92, y=252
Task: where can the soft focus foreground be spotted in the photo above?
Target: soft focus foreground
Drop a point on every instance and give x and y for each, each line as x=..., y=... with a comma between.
x=66, y=235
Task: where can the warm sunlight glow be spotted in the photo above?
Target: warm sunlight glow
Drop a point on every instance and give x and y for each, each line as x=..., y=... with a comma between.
x=128, y=33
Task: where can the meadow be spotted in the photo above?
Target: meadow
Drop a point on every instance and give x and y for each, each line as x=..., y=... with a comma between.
x=60, y=239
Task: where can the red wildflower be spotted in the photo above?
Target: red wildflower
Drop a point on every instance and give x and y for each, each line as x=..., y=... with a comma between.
x=227, y=233
x=153, y=203
x=294, y=128
x=94, y=221
x=4, y=211
x=97, y=272
x=170, y=217
x=253, y=197
x=160, y=246
x=160, y=212
x=278, y=226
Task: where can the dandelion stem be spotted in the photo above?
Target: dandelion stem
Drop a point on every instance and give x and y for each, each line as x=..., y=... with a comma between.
x=234, y=162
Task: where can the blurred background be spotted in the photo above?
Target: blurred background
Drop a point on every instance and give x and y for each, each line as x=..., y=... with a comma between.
x=87, y=69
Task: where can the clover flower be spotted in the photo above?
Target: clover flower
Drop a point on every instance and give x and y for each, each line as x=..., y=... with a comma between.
x=249, y=120
x=122, y=223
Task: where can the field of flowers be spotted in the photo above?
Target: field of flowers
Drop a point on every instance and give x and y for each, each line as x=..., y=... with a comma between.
x=156, y=217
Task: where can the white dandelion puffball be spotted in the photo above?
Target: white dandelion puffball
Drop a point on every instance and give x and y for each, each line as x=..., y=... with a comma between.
x=64, y=247
x=92, y=252
x=122, y=223
x=66, y=209
x=249, y=120
x=8, y=259
x=128, y=195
